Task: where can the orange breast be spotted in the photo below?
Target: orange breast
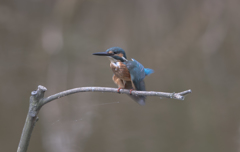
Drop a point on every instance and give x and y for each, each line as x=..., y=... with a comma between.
x=120, y=70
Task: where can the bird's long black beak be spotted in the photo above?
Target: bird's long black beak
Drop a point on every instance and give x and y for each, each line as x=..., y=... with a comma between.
x=103, y=54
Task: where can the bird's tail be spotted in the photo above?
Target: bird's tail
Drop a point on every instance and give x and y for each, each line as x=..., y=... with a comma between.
x=148, y=71
x=139, y=99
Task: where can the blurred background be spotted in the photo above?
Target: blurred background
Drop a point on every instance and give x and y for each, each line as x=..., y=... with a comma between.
x=190, y=44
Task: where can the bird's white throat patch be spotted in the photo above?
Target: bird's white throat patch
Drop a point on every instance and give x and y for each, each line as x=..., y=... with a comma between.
x=114, y=61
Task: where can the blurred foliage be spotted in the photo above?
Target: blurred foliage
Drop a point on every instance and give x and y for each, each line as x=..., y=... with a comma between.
x=190, y=45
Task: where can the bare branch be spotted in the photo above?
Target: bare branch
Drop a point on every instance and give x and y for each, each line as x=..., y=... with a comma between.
x=179, y=96
x=34, y=107
x=37, y=100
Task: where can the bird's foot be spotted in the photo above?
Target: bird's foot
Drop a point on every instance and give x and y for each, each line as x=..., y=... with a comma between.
x=119, y=90
x=130, y=91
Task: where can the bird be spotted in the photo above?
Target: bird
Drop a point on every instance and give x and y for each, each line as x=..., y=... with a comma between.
x=127, y=74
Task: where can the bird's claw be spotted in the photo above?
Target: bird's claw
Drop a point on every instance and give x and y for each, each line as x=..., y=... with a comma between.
x=130, y=91
x=119, y=90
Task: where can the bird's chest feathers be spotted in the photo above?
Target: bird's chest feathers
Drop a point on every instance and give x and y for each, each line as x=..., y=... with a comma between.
x=120, y=70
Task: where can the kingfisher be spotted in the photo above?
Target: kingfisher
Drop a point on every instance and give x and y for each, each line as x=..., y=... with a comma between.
x=127, y=74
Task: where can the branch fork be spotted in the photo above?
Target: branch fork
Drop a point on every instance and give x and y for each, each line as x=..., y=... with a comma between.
x=37, y=100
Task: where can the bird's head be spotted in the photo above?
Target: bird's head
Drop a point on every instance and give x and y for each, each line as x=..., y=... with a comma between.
x=115, y=54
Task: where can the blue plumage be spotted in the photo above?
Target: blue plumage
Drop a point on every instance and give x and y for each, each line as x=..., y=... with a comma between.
x=138, y=73
x=148, y=71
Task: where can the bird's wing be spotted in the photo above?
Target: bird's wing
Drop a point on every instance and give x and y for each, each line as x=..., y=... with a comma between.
x=137, y=73
x=139, y=85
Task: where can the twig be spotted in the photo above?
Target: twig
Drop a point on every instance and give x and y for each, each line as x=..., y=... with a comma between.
x=37, y=100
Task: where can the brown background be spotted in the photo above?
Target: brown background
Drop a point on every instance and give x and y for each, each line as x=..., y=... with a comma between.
x=191, y=44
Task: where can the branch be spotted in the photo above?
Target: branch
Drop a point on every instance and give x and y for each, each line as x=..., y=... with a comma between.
x=179, y=96
x=34, y=107
x=37, y=101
